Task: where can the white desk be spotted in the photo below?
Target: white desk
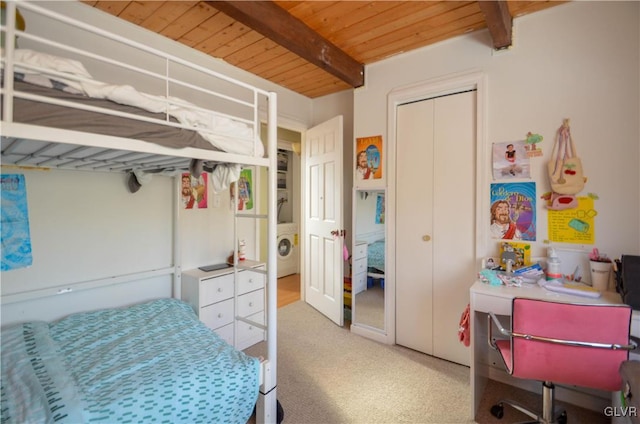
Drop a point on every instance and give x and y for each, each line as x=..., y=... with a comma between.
x=498, y=299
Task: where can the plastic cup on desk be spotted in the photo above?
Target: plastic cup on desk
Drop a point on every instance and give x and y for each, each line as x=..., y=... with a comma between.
x=600, y=275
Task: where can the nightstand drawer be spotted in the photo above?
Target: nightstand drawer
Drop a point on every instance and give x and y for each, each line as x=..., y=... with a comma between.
x=226, y=333
x=251, y=303
x=359, y=265
x=360, y=251
x=213, y=290
x=249, y=281
x=359, y=282
x=249, y=334
x=217, y=315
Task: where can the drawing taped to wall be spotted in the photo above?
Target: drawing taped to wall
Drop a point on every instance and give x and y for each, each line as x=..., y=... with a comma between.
x=513, y=211
x=369, y=158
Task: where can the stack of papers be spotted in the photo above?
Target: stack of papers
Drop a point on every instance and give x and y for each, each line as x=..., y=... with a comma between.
x=577, y=289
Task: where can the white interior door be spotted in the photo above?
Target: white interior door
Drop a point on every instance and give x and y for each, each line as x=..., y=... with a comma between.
x=435, y=222
x=323, y=259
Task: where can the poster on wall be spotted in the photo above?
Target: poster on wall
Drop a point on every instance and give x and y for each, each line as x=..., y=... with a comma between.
x=510, y=160
x=380, y=208
x=574, y=225
x=513, y=211
x=245, y=190
x=369, y=158
x=16, y=238
x=194, y=191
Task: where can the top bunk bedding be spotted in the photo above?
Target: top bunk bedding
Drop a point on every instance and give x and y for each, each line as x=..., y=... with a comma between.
x=57, y=92
x=152, y=362
x=68, y=85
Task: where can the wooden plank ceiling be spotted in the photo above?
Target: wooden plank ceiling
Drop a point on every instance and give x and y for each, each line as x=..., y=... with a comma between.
x=317, y=48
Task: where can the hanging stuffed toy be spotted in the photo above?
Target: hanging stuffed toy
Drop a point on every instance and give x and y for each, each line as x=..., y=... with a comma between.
x=565, y=171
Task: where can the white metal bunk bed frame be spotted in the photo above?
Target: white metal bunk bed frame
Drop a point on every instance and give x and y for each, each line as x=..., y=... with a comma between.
x=19, y=132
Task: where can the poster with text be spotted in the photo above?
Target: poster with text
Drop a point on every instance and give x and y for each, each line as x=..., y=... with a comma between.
x=369, y=158
x=513, y=211
x=16, y=238
x=573, y=225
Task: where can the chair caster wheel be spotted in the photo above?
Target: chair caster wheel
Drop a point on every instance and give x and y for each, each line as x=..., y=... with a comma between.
x=497, y=411
x=562, y=418
x=279, y=412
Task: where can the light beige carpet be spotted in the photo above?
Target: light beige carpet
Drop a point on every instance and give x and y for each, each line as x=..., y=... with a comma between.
x=328, y=375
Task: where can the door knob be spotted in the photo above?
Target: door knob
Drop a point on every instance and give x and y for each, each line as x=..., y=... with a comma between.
x=426, y=238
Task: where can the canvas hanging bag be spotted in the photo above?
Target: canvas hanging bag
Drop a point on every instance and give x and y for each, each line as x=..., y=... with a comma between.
x=565, y=167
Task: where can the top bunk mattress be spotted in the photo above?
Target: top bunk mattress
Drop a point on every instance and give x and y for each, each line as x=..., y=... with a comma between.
x=152, y=362
x=62, y=117
x=118, y=110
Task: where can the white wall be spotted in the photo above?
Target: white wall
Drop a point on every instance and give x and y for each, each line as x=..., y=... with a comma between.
x=580, y=61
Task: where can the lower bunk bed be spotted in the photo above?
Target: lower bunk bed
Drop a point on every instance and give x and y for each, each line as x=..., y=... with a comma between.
x=150, y=362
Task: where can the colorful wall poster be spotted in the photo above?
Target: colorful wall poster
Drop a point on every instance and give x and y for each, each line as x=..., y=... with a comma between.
x=245, y=190
x=16, y=237
x=369, y=158
x=573, y=225
x=510, y=160
x=513, y=211
x=194, y=191
x=380, y=208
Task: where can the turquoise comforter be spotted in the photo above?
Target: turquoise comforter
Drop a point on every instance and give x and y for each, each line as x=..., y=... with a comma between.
x=152, y=363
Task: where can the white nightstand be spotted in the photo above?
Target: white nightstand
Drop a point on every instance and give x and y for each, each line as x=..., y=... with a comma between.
x=222, y=303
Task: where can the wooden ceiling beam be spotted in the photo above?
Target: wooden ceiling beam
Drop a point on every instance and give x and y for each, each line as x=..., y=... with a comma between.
x=277, y=24
x=499, y=21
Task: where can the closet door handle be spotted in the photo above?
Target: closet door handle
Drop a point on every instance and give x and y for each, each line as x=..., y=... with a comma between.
x=426, y=237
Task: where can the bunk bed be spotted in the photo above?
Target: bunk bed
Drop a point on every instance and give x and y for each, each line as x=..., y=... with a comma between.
x=121, y=129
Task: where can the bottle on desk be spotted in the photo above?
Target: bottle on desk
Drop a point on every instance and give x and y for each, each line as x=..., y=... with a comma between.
x=553, y=265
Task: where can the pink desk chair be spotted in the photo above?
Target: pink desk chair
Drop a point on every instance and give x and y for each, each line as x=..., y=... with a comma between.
x=562, y=343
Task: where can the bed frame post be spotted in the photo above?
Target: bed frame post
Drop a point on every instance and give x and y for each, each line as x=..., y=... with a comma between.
x=9, y=41
x=266, y=411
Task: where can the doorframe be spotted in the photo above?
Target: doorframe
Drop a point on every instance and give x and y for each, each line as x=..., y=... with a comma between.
x=421, y=91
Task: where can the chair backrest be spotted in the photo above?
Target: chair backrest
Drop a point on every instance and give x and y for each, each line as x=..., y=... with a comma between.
x=596, y=368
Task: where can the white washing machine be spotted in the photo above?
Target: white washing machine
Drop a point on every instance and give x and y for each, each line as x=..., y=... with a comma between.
x=287, y=249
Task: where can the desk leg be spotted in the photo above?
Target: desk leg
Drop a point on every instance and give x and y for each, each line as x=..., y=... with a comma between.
x=479, y=358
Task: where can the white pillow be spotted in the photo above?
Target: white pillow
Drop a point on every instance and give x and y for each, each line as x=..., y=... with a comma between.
x=51, y=62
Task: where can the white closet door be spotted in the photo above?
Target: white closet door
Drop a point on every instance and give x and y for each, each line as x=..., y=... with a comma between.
x=435, y=228
x=414, y=220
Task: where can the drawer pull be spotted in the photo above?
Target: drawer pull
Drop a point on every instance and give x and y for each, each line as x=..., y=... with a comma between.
x=250, y=303
x=251, y=280
x=219, y=315
x=219, y=289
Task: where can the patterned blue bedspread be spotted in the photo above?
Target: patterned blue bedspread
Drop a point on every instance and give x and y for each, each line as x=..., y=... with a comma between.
x=153, y=363
x=375, y=256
